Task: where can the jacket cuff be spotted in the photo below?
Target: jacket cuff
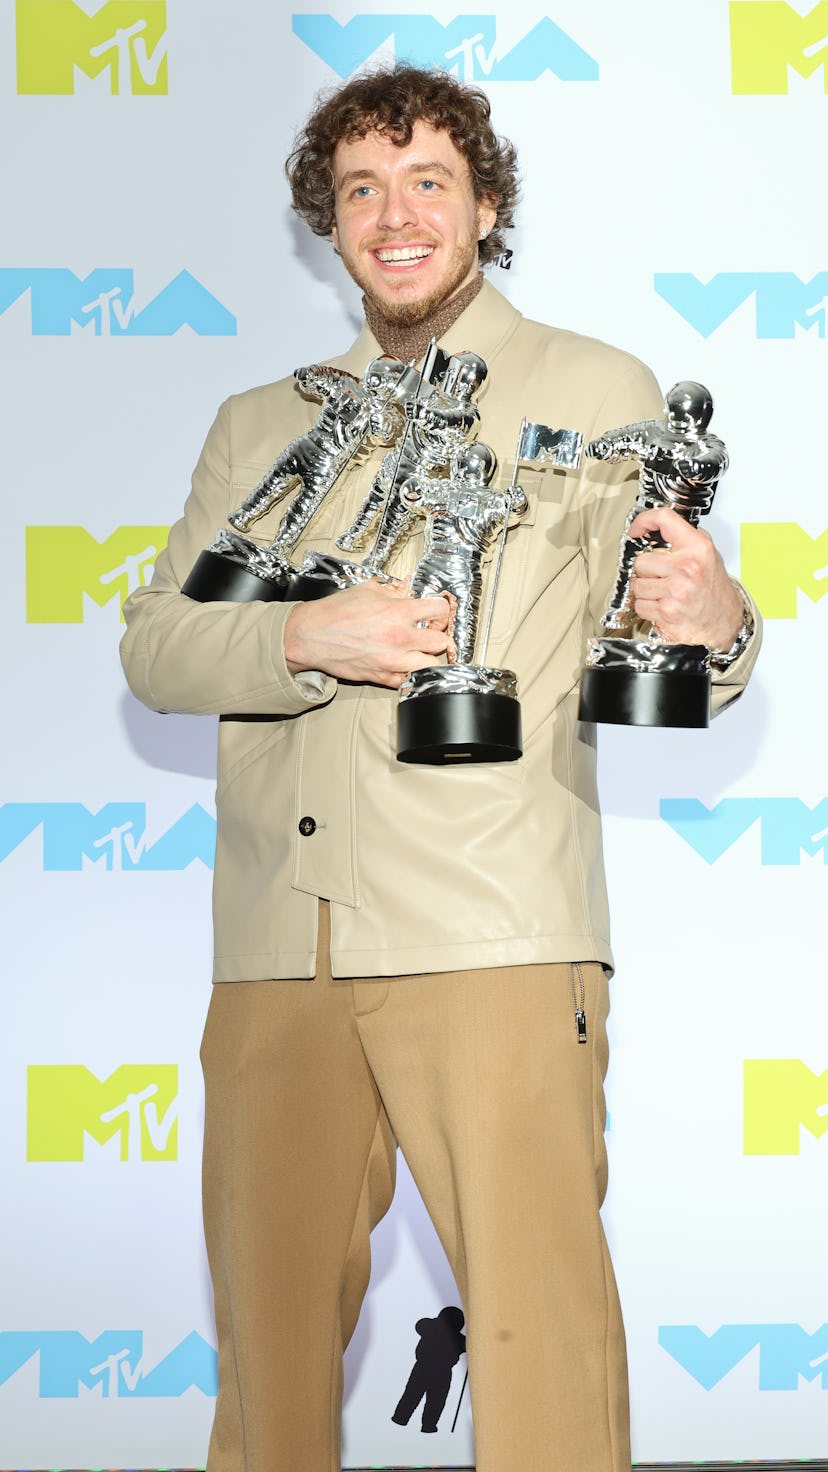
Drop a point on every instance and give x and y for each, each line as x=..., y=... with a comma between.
x=739, y=668
x=728, y=683
x=312, y=687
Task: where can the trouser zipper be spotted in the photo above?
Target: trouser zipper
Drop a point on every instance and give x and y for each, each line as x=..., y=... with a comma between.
x=578, y=1001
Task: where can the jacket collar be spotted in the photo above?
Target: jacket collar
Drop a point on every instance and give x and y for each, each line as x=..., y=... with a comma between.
x=485, y=327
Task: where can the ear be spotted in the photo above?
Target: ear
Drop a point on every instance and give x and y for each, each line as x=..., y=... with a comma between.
x=486, y=213
x=335, y=238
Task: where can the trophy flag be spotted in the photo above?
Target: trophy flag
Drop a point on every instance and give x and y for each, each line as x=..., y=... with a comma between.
x=541, y=442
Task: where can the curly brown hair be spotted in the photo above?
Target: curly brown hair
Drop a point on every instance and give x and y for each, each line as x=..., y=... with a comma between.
x=390, y=101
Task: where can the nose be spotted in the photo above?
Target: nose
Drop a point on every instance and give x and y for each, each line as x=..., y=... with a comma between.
x=397, y=209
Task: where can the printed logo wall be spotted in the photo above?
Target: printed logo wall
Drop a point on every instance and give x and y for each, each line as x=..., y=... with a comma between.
x=66, y=565
x=112, y=1365
x=771, y=40
x=160, y=216
x=69, y=1108
x=783, y=1098
x=782, y=303
x=104, y=302
x=63, y=46
x=468, y=46
x=779, y=561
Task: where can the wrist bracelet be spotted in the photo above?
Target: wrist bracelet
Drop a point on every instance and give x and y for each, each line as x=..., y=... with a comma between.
x=721, y=658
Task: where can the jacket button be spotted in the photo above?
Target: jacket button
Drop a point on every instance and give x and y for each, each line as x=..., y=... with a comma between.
x=307, y=826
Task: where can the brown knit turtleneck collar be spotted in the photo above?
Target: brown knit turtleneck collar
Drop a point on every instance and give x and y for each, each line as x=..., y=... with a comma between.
x=409, y=343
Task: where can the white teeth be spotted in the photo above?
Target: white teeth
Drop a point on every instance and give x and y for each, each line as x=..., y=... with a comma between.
x=405, y=253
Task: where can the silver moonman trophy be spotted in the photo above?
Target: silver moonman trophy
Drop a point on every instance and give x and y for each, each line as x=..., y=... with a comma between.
x=464, y=712
x=645, y=681
x=356, y=414
x=440, y=417
x=438, y=423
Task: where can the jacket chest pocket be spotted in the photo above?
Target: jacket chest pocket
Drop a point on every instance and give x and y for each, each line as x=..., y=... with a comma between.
x=341, y=504
x=542, y=543
x=511, y=576
x=243, y=479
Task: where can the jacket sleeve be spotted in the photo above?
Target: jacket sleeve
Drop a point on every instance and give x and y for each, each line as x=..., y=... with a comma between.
x=608, y=494
x=729, y=683
x=210, y=658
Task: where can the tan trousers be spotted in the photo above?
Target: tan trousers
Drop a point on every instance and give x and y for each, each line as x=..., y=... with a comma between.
x=499, y=1112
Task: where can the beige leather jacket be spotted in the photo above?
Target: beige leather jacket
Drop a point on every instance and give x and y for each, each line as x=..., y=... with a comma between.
x=427, y=868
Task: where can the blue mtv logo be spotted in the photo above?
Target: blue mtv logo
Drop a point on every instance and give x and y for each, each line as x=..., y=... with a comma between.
x=103, y=302
x=787, y=1354
x=788, y=828
x=113, y=1364
x=112, y=839
x=467, y=46
x=782, y=302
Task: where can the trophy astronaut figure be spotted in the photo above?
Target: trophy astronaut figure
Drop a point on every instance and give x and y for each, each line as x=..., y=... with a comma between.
x=632, y=679
x=437, y=424
x=355, y=414
x=681, y=466
x=460, y=711
x=464, y=518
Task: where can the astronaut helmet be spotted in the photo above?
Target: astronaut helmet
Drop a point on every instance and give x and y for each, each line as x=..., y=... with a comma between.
x=474, y=464
x=689, y=407
x=382, y=374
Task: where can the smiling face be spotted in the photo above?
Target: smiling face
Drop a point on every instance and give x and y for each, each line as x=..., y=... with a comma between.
x=407, y=222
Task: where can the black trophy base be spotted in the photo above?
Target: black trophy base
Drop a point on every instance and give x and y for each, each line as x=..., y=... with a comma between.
x=303, y=589
x=219, y=579
x=456, y=728
x=627, y=697
x=216, y=578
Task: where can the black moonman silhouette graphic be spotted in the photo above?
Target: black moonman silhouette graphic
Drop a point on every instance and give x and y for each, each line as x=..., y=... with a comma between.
x=441, y=1344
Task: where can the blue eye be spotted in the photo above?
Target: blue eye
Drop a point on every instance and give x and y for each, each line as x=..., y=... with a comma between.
x=428, y=184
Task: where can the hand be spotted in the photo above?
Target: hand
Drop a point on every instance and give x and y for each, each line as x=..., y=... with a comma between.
x=374, y=633
x=684, y=590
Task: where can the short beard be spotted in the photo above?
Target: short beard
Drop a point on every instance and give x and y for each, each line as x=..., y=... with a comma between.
x=403, y=313
x=410, y=314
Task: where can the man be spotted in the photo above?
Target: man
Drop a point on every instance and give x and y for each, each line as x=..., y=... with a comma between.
x=411, y=953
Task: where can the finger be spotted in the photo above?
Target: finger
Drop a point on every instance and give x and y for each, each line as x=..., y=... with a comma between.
x=666, y=522
x=651, y=612
x=666, y=612
x=433, y=612
x=650, y=588
x=421, y=661
x=647, y=539
x=659, y=563
x=433, y=643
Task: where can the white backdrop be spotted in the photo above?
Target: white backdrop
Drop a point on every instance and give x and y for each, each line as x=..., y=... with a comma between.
x=675, y=205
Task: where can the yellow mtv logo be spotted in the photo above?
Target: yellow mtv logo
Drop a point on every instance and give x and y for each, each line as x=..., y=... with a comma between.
x=777, y=559
x=56, y=39
x=64, y=562
x=68, y=1106
x=781, y=1095
x=767, y=37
